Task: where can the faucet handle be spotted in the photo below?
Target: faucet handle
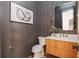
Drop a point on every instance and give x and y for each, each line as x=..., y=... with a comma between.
x=63, y=35
x=66, y=35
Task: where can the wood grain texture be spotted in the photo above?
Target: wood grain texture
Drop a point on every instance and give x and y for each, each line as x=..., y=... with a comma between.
x=61, y=49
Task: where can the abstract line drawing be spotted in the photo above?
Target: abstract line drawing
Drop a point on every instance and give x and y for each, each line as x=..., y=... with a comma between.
x=21, y=14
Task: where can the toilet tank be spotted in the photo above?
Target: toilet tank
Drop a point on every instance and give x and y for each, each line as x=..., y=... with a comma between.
x=41, y=40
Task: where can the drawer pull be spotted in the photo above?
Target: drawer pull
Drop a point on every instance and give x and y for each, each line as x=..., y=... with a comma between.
x=75, y=47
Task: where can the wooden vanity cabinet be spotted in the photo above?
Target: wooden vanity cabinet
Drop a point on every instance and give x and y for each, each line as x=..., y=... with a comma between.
x=50, y=47
x=60, y=48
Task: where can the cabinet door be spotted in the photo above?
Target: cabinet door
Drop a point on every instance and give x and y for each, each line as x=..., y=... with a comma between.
x=66, y=49
x=60, y=53
x=71, y=46
x=60, y=44
x=70, y=54
x=53, y=47
x=70, y=50
x=48, y=45
x=65, y=54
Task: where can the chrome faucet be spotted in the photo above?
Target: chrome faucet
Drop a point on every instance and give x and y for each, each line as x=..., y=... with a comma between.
x=66, y=35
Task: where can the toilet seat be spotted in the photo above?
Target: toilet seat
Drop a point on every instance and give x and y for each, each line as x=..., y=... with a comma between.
x=37, y=48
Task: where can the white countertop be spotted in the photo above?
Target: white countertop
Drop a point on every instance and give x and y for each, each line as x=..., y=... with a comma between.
x=73, y=39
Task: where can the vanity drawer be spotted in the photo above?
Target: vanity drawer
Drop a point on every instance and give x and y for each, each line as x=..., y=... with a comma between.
x=65, y=54
x=70, y=46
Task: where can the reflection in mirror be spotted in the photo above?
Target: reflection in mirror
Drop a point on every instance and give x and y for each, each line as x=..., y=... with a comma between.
x=68, y=19
x=65, y=16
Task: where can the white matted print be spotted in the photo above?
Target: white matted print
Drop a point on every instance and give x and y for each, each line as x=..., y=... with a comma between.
x=21, y=14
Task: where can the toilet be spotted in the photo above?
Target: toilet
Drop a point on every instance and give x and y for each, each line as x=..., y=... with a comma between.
x=38, y=49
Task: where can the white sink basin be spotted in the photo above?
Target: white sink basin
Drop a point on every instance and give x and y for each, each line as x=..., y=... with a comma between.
x=65, y=37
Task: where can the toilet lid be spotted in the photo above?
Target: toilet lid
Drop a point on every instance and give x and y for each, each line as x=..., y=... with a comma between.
x=37, y=48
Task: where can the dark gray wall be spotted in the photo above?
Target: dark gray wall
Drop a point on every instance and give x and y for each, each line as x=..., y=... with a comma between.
x=18, y=35
x=23, y=36
x=45, y=12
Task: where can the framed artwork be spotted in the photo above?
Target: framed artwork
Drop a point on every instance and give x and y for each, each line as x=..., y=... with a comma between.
x=21, y=14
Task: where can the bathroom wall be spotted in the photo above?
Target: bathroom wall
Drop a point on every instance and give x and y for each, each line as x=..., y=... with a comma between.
x=19, y=36
x=78, y=14
x=78, y=29
x=45, y=12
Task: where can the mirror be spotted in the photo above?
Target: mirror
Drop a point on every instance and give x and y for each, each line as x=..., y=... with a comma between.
x=65, y=17
x=68, y=19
